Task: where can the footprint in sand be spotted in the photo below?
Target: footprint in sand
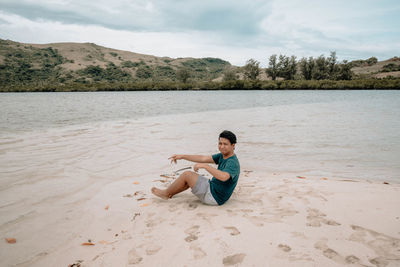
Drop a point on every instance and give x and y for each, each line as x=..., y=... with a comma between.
x=333, y=255
x=192, y=233
x=173, y=207
x=232, y=229
x=328, y=252
x=379, y=261
x=152, y=249
x=233, y=259
x=284, y=248
x=198, y=253
x=134, y=257
x=386, y=247
x=286, y=252
x=351, y=259
x=192, y=206
x=316, y=217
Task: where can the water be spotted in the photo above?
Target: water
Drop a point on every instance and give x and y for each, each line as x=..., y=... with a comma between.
x=348, y=134
x=24, y=112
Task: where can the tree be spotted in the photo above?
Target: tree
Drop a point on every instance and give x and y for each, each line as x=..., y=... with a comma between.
x=282, y=66
x=272, y=69
x=252, y=69
x=287, y=67
x=320, y=69
x=333, y=69
x=183, y=74
x=345, y=72
x=292, y=68
x=307, y=67
x=371, y=61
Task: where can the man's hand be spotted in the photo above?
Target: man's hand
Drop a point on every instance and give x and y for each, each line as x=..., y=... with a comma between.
x=174, y=158
x=220, y=175
x=198, y=166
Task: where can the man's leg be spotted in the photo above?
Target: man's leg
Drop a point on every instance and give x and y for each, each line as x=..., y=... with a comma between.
x=184, y=181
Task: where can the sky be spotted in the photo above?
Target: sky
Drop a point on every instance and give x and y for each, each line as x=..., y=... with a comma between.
x=231, y=30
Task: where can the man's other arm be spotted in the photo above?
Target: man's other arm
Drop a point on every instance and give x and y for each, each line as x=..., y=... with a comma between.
x=193, y=158
x=220, y=175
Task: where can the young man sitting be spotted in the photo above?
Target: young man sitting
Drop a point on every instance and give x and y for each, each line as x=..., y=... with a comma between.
x=225, y=177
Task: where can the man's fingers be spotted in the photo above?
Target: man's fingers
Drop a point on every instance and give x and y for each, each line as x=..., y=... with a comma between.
x=173, y=159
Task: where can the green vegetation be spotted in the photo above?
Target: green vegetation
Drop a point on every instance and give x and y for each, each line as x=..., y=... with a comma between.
x=368, y=62
x=230, y=75
x=252, y=69
x=130, y=64
x=30, y=68
x=205, y=68
x=371, y=84
x=27, y=65
x=391, y=67
x=164, y=73
x=144, y=72
x=320, y=68
x=183, y=74
x=111, y=73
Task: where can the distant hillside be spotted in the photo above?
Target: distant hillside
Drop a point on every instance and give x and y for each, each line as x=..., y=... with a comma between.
x=372, y=68
x=87, y=66
x=86, y=62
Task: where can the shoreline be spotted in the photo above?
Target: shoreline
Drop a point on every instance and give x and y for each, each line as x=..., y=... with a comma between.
x=355, y=84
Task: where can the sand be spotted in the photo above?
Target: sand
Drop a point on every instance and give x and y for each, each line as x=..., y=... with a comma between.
x=310, y=192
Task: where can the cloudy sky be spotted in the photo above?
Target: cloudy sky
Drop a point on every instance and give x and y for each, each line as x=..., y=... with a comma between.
x=232, y=30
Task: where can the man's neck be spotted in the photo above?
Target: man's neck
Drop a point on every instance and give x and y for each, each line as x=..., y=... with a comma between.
x=228, y=155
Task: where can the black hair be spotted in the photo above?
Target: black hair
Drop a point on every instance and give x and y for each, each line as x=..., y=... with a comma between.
x=228, y=135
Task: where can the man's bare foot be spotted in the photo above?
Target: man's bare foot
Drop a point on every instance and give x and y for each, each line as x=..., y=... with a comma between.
x=160, y=193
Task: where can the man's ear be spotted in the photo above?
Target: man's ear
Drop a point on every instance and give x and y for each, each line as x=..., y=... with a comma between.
x=233, y=146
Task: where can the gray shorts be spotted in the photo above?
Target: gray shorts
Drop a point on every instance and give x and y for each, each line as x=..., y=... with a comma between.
x=202, y=191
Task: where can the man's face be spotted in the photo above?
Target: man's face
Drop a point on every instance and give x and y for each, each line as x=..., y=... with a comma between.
x=225, y=146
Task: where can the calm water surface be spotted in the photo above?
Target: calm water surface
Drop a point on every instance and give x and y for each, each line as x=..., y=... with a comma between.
x=24, y=112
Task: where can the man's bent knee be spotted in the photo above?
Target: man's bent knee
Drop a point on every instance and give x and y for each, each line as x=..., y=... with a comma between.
x=190, y=178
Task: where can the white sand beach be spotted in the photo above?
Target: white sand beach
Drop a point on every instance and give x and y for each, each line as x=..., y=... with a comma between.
x=318, y=187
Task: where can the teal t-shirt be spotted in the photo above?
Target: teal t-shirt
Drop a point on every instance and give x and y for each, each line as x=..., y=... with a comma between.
x=220, y=190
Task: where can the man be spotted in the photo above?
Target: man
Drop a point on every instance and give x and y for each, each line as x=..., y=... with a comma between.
x=211, y=192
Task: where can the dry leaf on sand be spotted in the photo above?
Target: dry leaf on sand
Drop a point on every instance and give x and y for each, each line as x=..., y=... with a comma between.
x=144, y=205
x=87, y=244
x=301, y=177
x=107, y=207
x=11, y=240
x=136, y=182
x=103, y=242
x=142, y=198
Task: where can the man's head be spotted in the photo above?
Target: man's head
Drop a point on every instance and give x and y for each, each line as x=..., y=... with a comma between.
x=226, y=143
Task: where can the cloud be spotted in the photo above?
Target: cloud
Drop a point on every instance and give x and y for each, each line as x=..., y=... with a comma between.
x=183, y=44
x=146, y=15
x=232, y=30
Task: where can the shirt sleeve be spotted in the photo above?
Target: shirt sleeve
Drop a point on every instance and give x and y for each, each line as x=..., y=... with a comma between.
x=216, y=158
x=232, y=168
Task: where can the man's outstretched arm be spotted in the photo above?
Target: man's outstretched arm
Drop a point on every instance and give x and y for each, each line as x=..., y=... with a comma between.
x=193, y=158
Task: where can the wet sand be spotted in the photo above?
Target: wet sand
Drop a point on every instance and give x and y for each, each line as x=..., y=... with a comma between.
x=318, y=187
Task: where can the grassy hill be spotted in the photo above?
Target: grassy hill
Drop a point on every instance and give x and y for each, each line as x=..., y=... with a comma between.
x=375, y=69
x=86, y=62
x=87, y=66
